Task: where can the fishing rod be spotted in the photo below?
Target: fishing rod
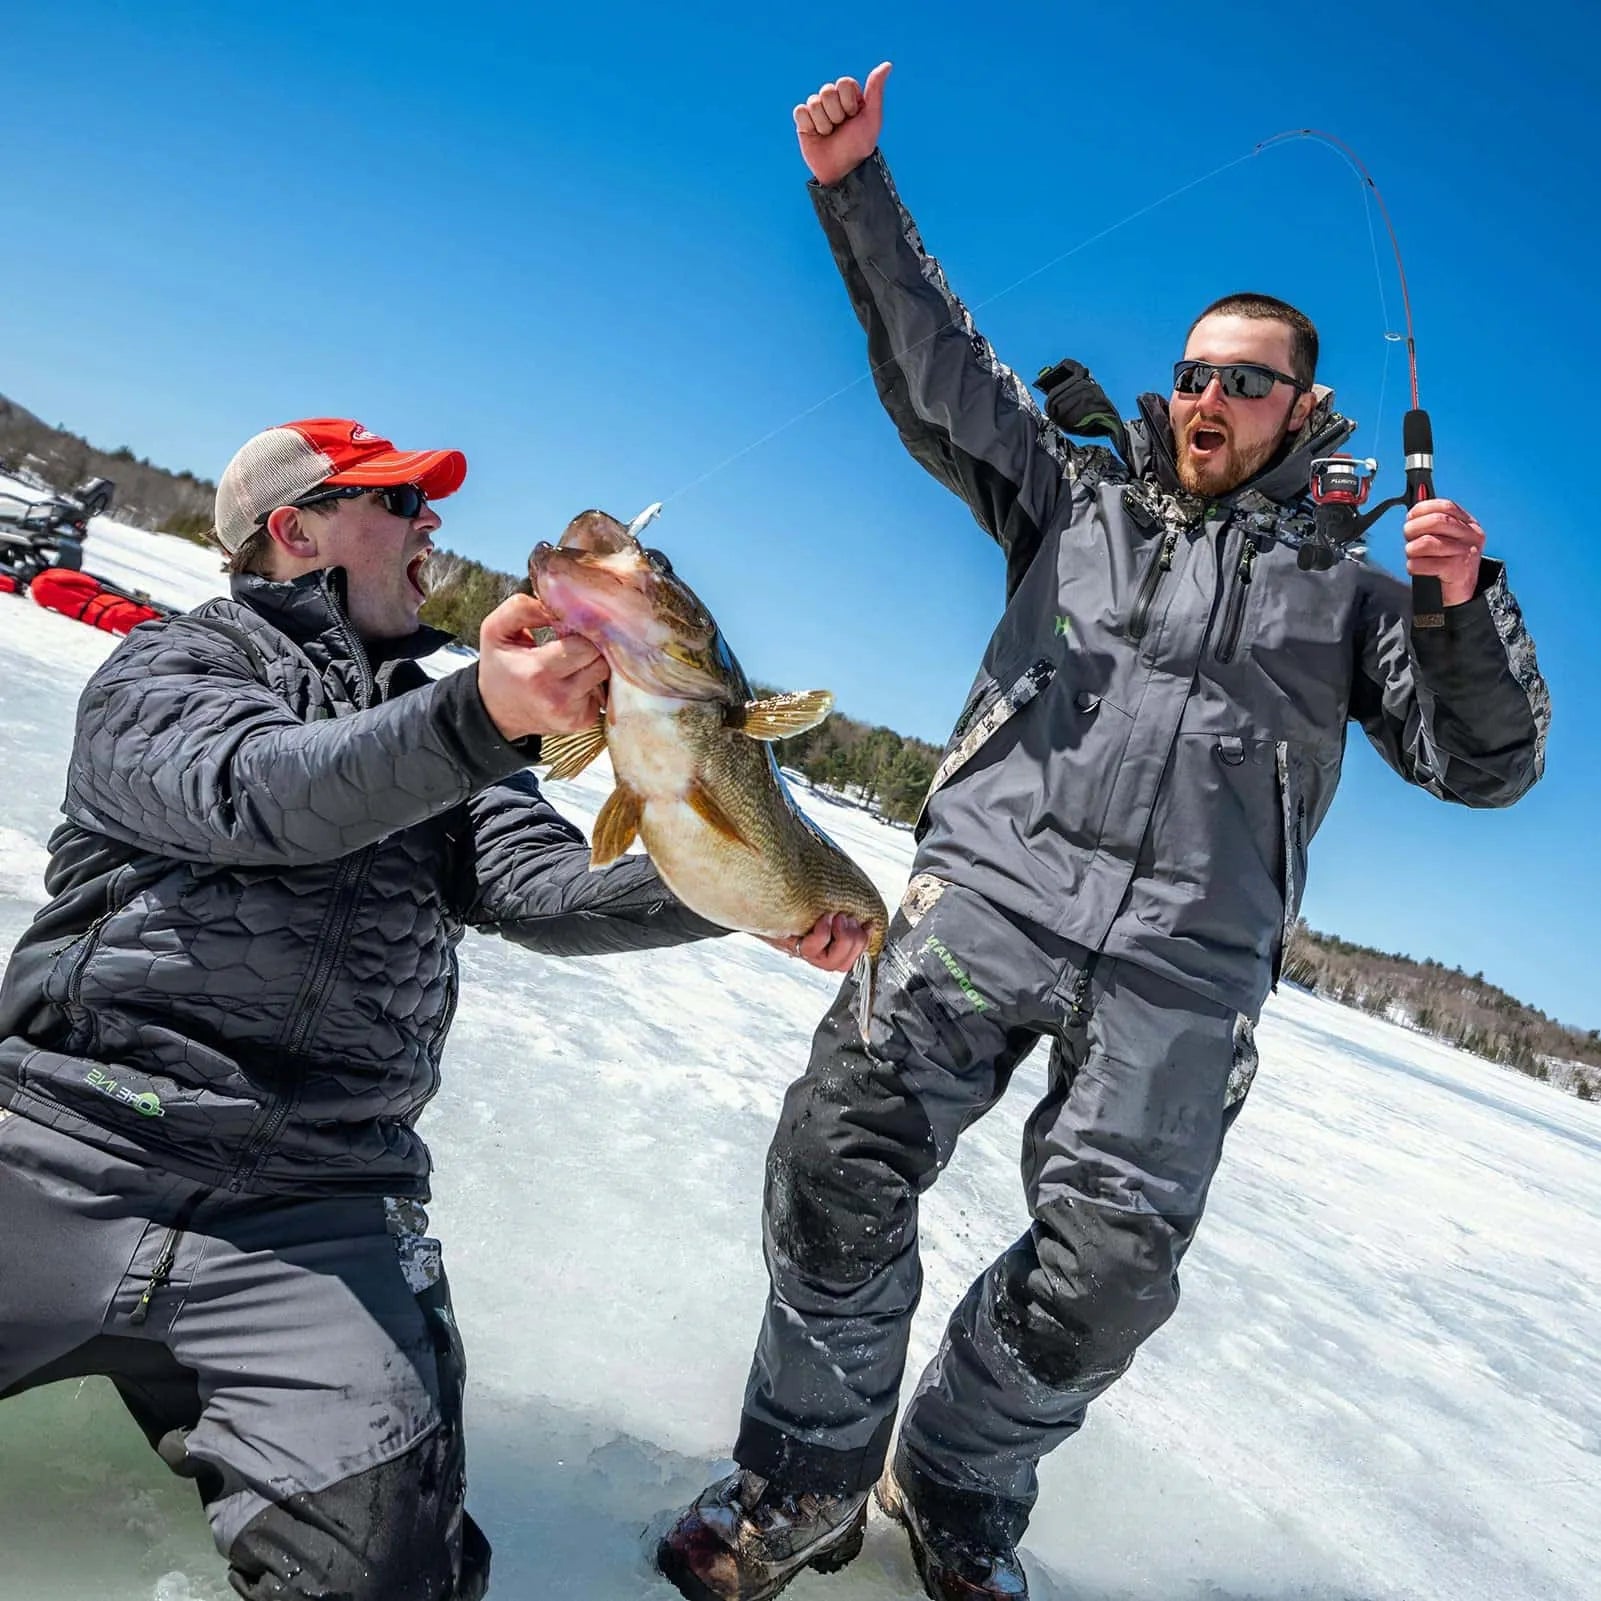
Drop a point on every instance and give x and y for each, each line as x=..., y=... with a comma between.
x=1340, y=484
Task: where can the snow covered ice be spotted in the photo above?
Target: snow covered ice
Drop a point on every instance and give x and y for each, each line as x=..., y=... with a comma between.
x=1384, y=1378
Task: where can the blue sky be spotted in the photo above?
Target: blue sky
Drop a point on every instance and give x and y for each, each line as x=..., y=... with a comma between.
x=576, y=243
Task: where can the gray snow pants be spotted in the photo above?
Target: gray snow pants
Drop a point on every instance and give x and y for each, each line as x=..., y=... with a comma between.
x=1144, y=1079
x=295, y=1357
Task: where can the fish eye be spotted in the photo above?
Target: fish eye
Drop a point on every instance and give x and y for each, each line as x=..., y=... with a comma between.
x=658, y=562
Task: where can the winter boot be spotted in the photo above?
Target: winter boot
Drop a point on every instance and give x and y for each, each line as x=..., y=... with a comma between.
x=745, y=1538
x=953, y=1568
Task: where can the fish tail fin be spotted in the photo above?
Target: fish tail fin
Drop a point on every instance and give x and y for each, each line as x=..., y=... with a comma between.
x=865, y=973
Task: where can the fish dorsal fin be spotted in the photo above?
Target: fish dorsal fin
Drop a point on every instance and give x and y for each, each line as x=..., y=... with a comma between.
x=709, y=809
x=570, y=754
x=780, y=716
x=616, y=824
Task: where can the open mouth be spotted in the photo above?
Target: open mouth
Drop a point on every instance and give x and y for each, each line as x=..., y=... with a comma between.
x=1204, y=441
x=416, y=570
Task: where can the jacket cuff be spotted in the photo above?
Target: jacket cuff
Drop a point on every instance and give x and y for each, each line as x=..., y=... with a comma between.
x=865, y=183
x=486, y=753
x=1468, y=649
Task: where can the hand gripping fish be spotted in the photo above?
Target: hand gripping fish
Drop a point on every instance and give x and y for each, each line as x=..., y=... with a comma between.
x=696, y=778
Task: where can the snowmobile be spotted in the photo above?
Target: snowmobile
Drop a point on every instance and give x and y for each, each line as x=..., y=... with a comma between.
x=41, y=554
x=35, y=534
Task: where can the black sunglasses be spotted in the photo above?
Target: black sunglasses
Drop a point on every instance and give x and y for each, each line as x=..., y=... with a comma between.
x=1241, y=380
x=399, y=500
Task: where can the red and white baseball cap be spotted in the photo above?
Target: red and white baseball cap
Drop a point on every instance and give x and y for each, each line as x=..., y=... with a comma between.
x=289, y=462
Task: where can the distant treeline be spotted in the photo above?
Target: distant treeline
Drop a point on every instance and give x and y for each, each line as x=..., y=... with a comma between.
x=886, y=771
x=1460, y=1009
x=147, y=496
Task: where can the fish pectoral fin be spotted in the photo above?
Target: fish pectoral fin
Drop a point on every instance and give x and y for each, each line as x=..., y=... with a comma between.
x=780, y=716
x=709, y=809
x=570, y=754
x=616, y=825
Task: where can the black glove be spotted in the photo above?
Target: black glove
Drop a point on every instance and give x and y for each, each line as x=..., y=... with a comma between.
x=1078, y=405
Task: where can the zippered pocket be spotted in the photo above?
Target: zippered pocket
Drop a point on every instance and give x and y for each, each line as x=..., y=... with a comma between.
x=87, y=943
x=1161, y=564
x=1239, y=595
x=979, y=722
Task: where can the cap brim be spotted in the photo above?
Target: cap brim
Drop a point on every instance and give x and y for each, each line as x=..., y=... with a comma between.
x=436, y=473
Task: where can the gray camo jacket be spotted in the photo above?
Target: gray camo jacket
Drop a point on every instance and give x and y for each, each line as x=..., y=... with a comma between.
x=1157, y=728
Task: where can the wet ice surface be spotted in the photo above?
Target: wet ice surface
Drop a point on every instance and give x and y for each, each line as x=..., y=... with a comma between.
x=1382, y=1382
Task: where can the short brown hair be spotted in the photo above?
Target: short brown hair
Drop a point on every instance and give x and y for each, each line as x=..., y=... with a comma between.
x=1265, y=308
x=254, y=554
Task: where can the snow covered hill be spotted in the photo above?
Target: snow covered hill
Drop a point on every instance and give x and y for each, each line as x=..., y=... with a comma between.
x=1384, y=1379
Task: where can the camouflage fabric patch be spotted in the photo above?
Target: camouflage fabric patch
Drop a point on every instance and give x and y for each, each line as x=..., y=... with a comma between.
x=1507, y=616
x=1290, y=526
x=1151, y=506
x=1242, y=1071
x=1292, y=809
x=979, y=729
x=1090, y=466
x=920, y=897
x=1072, y=459
x=419, y=1255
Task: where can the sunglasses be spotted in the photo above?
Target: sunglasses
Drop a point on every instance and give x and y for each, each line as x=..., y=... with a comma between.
x=399, y=500
x=1241, y=380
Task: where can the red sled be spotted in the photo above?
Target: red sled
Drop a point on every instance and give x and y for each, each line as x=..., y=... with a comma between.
x=90, y=600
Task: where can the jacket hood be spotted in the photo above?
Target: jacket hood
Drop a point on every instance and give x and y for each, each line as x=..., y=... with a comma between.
x=1285, y=479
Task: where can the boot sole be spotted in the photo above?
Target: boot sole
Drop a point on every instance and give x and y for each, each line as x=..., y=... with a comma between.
x=841, y=1550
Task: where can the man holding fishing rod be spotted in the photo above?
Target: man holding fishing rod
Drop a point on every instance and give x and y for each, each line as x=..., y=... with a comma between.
x=1111, y=856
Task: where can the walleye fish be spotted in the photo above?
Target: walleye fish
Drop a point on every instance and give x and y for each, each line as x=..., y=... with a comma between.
x=691, y=749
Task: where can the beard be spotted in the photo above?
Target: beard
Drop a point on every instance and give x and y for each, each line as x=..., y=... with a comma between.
x=1227, y=465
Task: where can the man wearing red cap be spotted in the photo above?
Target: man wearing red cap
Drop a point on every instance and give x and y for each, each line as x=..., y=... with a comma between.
x=216, y=1038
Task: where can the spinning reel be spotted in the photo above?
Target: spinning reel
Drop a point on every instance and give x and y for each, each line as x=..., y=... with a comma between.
x=1340, y=486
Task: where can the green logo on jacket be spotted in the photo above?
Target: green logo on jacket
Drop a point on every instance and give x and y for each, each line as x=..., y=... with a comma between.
x=145, y=1102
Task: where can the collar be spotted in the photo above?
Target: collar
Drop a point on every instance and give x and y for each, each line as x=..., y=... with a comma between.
x=1285, y=479
x=315, y=607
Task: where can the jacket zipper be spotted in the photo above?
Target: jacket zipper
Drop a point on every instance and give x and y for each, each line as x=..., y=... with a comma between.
x=1149, y=585
x=1235, y=616
x=347, y=890
x=352, y=869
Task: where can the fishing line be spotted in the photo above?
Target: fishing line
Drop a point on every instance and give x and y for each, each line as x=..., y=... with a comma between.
x=979, y=305
x=1337, y=145
x=1371, y=196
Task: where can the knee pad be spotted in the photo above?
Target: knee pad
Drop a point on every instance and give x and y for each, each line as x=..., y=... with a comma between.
x=1075, y=1301
x=396, y=1532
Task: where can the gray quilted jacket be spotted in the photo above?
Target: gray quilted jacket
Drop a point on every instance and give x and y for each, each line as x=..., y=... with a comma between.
x=1158, y=725
x=273, y=842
